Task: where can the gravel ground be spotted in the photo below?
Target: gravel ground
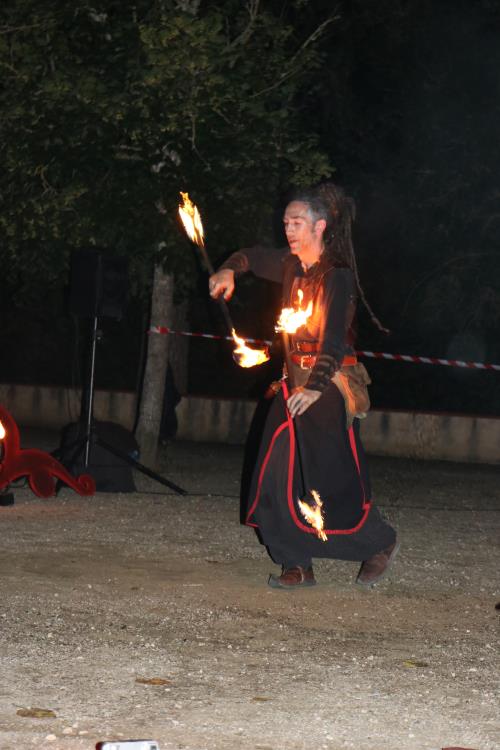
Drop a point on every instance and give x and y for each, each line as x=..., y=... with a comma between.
x=104, y=597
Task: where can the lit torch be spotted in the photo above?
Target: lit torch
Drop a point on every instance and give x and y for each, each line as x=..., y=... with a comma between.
x=190, y=217
x=2, y=431
x=293, y=318
x=313, y=514
x=290, y=320
x=243, y=355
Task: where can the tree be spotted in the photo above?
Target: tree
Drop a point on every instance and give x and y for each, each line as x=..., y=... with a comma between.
x=109, y=110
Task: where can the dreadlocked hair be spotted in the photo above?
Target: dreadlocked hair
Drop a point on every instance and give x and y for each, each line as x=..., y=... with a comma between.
x=330, y=202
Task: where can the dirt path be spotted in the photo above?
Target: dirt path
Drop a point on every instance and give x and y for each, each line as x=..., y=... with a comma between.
x=98, y=594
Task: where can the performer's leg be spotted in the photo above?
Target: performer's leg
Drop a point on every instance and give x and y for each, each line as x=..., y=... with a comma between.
x=295, y=572
x=376, y=567
x=288, y=559
x=379, y=561
x=293, y=578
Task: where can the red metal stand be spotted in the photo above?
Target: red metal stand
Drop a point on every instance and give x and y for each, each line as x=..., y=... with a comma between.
x=41, y=469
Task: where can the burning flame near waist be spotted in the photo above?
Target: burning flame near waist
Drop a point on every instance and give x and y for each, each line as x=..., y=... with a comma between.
x=244, y=356
x=293, y=318
x=313, y=514
x=2, y=431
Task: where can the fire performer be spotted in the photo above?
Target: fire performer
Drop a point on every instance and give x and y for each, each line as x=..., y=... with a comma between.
x=311, y=446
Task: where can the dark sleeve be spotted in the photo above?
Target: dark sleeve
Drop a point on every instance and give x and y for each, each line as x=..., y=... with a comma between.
x=265, y=262
x=339, y=303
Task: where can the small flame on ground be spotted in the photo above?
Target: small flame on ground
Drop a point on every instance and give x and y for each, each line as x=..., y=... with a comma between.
x=293, y=318
x=313, y=515
x=2, y=431
x=244, y=356
x=191, y=219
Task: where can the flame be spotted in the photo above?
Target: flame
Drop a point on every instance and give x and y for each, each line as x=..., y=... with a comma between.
x=191, y=219
x=2, y=431
x=293, y=318
x=244, y=356
x=313, y=515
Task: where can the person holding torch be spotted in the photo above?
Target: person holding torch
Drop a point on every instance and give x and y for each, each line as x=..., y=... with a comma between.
x=310, y=494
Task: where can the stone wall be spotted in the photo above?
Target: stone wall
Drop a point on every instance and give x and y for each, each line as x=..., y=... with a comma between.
x=446, y=437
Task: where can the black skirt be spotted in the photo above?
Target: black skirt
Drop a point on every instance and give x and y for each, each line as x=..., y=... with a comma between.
x=316, y=451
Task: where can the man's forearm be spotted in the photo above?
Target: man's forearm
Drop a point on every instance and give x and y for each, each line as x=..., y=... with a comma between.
x=265, y=262
x=237, y=262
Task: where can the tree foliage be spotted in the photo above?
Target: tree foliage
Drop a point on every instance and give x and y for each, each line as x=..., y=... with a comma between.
x=109, y=109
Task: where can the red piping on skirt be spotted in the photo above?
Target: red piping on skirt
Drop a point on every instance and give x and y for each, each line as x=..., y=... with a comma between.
x=291, y=461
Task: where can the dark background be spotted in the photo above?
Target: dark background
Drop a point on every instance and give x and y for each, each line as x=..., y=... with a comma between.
x=407, y=105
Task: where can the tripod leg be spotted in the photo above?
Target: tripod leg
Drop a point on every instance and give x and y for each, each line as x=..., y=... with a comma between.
x=140, y=467
x=76, y=446
x=90, y=395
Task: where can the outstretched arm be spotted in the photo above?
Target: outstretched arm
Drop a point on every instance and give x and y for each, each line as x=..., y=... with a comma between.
x=265, y=262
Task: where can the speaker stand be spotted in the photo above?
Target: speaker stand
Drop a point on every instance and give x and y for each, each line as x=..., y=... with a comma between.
x=92, y=438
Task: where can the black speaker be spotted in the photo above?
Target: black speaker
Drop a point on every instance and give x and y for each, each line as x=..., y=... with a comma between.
x=98, y=284
x=110, y=472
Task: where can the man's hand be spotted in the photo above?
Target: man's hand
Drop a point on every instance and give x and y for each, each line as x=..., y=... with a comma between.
x=222, y=282
x=301, y=399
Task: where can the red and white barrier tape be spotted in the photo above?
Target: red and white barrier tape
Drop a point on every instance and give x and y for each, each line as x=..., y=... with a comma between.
x=429, y=360
x=164, y=330
x=374, y=355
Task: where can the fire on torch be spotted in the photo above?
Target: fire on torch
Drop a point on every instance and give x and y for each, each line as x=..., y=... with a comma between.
x=2, y=436
x=289, y=322
x=243, y=355
x=313, y=514
x=293, y=318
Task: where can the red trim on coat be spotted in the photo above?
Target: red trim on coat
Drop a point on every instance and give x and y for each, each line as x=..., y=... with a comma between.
x=366, y=503
x=291, y=465
x=352, y=441
x=262, y=470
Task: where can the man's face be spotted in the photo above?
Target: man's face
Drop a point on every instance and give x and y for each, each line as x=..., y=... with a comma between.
x=304, y=236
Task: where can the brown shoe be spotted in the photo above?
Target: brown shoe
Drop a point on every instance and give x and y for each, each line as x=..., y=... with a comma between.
x=376, y=567
x=293, y=578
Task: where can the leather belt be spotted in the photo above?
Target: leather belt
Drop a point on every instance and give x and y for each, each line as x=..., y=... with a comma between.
x=307, y=361
x=306, y=347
